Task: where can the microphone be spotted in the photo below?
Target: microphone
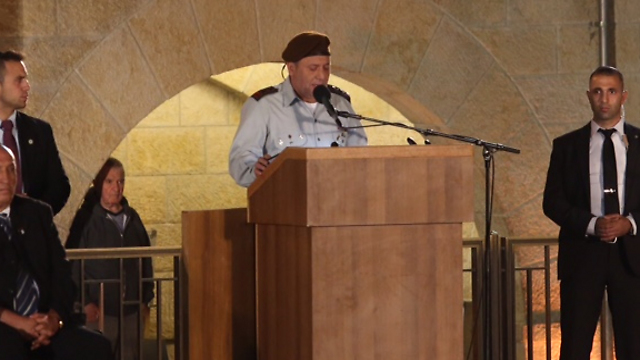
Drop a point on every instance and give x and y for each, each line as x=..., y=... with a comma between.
x=322, y=95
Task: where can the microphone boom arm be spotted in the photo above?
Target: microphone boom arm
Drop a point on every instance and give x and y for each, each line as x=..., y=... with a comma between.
x=430, y=132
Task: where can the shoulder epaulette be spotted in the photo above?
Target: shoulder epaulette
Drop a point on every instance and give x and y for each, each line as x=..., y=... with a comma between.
x=266, y=91
x=336, y=90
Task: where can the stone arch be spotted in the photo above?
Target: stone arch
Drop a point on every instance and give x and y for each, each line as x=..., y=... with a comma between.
x=412, y=54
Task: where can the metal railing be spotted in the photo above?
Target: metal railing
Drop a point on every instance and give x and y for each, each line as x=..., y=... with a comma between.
x=520, y=270
x=523, y=285
x=167, y=273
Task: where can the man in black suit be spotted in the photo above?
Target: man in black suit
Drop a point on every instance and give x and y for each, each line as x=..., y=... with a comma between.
x=40, y=172
x=593, y=194
x=36, y=289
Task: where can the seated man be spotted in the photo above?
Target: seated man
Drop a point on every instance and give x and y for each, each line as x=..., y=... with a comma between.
x=36, y=289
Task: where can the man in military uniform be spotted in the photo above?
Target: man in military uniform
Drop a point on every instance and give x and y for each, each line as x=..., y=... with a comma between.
x=288, y=114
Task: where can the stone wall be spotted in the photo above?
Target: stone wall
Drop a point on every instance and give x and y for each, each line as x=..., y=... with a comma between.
x=506, y=71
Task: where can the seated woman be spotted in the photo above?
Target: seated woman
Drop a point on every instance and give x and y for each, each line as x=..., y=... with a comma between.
x=113, y=223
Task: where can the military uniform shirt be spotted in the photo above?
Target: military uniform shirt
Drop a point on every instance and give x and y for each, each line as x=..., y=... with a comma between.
x=277, y=118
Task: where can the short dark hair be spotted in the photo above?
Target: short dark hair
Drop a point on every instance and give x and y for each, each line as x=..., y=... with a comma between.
x=607, y=71
x=104, y=171
x=5, y=56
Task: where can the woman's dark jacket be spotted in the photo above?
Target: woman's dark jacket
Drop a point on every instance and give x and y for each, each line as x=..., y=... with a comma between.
x=101, y=231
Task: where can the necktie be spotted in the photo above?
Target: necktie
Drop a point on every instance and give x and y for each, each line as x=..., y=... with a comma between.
x=9, y=141
x=610, y=174
x=28, y=294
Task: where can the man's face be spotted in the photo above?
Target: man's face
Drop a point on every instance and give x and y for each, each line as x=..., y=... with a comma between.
x=308, y=73
x=112, y=187
x=606, y=97
x=14, y=87
x=8, y=178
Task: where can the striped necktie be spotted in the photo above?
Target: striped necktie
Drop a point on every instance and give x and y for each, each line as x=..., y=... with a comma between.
x=27, y=296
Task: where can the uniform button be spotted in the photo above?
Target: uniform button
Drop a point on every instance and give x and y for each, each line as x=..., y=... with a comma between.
x=11, y=291
x=318, y=139
x=316, y=120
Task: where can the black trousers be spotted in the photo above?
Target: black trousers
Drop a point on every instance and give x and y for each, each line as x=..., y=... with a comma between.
x=581, y=297
x=71, y=343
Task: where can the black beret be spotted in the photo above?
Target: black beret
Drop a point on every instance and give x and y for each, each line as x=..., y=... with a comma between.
x=308, y=43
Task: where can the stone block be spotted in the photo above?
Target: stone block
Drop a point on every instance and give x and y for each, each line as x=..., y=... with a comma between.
x=28, y=18
x=557, y=98
x=166, y=151
x=267, y=74
x=10, y=41
x=523, y=12
x=11, y=9
x=395, y=53
x=203, y=192
x=50, y=60
x=521, y=177
x=148, y=195
x=166, y=234
x=39, y=98
x=626, y=11
x=235, y=101
x=93, y=17
x=177, y=57
x=529, y=220
x=476, y=13
x=230, y=32
x=452, y=67
x=218, y=143
x=80, y=181
x=348, y=24
x=121, y=153
x=84, y=131
x=526, y=50
x=38, y=18
x=632, y=106
x=237, y=78
x=291, y=18
x=166, y=114
x=579, y=49
x=130, y=78
x=628, y=47
x=495, y=101
x=204, y=104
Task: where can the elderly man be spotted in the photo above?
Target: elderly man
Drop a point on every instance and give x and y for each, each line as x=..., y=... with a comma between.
x=36, y=289
x=288, y=114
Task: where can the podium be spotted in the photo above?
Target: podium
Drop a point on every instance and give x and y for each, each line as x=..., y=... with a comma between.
x=219, y=257
x=359, y=252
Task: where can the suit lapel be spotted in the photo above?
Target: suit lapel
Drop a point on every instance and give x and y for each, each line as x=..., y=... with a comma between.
x=18, y=222
x=582, y=144
x=633, y=155
x=22, y=143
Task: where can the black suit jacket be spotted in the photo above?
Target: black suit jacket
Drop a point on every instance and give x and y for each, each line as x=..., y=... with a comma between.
x=43, y=176
x=567, y=200
x=36, y=245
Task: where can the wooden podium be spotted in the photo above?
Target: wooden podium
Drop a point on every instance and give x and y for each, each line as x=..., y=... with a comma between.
x=359, y=252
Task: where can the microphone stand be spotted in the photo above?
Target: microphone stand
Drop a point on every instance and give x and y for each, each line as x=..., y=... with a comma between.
x=488, y=149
